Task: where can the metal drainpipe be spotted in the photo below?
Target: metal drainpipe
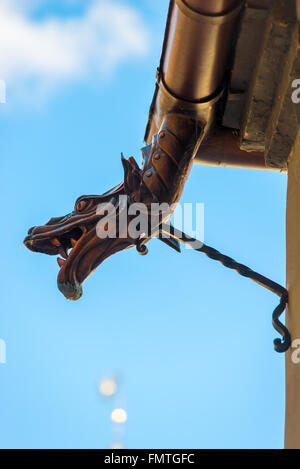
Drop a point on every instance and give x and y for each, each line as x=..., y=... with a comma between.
x=196, y=49
x=198, y=45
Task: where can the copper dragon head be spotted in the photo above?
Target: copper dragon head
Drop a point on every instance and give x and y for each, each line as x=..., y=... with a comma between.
x=82, y=237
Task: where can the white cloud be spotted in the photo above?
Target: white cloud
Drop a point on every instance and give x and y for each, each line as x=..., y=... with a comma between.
x=59, y=49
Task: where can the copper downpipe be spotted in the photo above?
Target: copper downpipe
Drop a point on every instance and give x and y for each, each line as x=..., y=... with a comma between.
x=197, y=45
x=212, y=7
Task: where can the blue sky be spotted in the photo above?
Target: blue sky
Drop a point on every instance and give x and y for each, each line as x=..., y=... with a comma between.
x=189, y=341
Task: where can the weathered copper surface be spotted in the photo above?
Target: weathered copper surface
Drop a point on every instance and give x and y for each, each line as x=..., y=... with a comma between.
x=190, y=82
x=166, y=165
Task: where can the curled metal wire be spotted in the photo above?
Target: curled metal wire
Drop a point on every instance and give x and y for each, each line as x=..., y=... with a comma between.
x=280, y=345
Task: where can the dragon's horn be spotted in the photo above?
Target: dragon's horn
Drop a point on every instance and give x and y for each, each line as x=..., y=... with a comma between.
x=131, y=174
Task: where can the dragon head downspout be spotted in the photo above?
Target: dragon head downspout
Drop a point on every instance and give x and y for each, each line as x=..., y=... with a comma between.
x=184, y=108
x=100, y=226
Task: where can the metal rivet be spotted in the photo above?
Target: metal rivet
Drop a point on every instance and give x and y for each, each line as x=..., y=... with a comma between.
x=162, y=135
x=156, y=156
x=148, y=173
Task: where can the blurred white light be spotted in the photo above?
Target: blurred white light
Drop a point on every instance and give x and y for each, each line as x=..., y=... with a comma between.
x=117, y=446
x=119, y=416
x=108, y=387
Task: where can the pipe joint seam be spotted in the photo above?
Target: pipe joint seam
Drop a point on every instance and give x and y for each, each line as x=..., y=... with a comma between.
x=209, y=19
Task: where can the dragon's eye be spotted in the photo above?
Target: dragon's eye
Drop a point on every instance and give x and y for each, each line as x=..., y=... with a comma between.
x=83, y=204
x=80, y=205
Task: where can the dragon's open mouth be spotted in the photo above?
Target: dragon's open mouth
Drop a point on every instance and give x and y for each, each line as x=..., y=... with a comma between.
x=65, y=244
x=81, y=238
x=76, y=242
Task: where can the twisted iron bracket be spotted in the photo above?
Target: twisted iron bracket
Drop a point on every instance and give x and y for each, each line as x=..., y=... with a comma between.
x=280, y=345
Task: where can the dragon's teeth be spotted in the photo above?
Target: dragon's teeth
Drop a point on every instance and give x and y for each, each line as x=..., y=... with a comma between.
x=73, y=242
x=63, y=253
x=60, y=261
x=56, y=242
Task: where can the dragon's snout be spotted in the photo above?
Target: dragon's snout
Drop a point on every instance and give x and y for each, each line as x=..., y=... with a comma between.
x=72, y=292
x=75, y=240
x=77, y=237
